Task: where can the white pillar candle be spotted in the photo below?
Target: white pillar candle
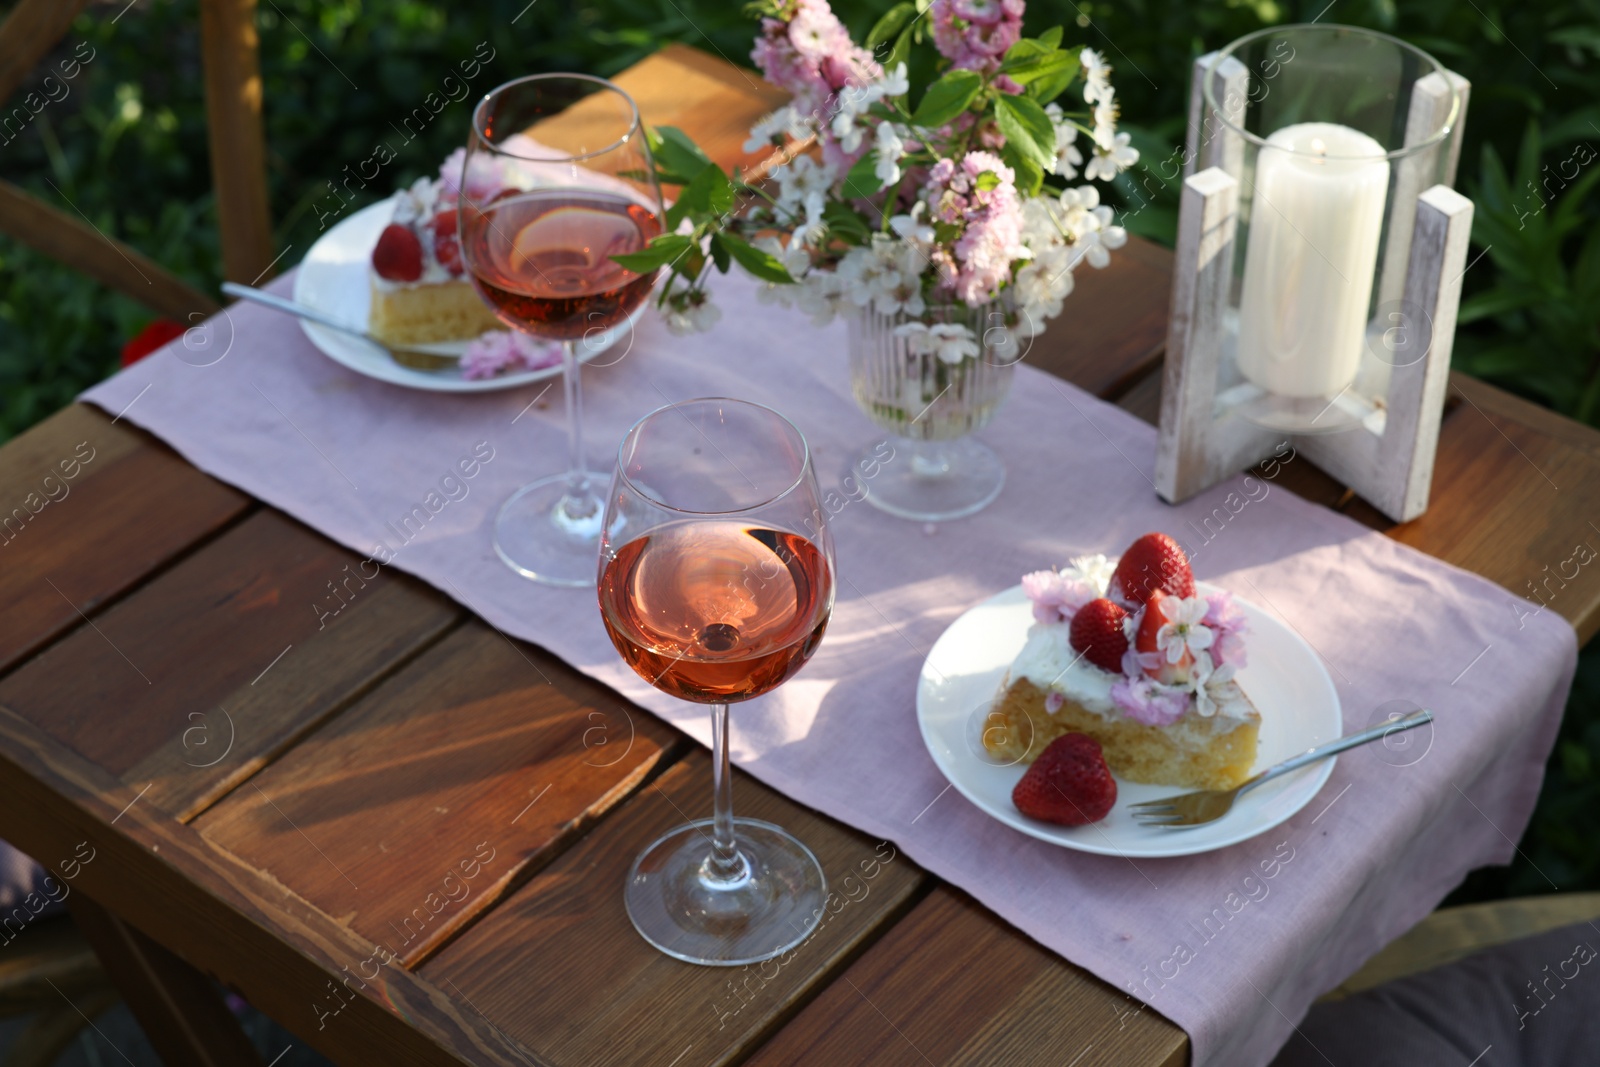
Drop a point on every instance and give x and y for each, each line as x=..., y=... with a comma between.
x=1315, y=219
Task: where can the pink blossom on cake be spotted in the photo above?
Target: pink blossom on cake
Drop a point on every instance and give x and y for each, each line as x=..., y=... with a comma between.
x=1057, y=596
x=1228, y=623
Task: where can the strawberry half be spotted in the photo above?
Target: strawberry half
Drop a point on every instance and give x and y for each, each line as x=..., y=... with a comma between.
x=1154, y=563
x=1097, y=633
x=397, y=256
x=1069, y=784
x=1145, y=641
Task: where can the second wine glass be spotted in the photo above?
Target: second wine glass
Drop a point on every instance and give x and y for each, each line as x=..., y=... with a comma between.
x=558, y=179
x=717, y=591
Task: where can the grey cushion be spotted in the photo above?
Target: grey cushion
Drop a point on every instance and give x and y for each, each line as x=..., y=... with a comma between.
x=1528, y=1003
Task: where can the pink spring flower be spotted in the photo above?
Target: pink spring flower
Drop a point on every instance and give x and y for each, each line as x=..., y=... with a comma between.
x=1148, y=701
x=1056, y=597
x=974, y=34
x=506, y=351
x=990, y=213
x=810, y=54
x=1228, y=624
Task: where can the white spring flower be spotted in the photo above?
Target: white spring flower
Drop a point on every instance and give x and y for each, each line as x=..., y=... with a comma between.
x=697, y=315
x=1068, y=158
x=911, y=229
x=846, y=132
x=894, y=82
x=950, y=342
x=766, y=130
x=813, y=230
x=798, y=179
x=1110, y=161
x=890, y=147
x=821, y=295
x=1096, y=76
x=1105, y=122
x=795, y=260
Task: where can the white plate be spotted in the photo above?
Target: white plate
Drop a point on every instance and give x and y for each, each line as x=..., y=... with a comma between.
x=1285, y=679
x=333, y=278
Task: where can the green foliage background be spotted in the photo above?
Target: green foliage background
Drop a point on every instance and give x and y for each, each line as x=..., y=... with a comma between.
x=127, y=149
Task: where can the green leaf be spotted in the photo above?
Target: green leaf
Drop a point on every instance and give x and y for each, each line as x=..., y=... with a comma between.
x=986, y=180
x=1051, y=38
x=1030, y=176
x=848, y=224
x=863, y=181
x=902, y=48
x=719, y=253
x=1024, y=123
x=947, y=98
x=763, y=265
x=891, y=24
x=1047, y=87
x=708, y=196
x=664, y=249
x=678, y=159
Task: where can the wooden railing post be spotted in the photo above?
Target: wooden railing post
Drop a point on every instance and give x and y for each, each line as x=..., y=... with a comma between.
x=238, y=146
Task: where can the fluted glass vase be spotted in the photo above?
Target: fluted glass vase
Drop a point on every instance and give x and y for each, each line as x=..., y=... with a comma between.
x=930, y=467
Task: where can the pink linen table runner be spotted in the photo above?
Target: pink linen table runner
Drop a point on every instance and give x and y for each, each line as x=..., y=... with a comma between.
x=1231, y=945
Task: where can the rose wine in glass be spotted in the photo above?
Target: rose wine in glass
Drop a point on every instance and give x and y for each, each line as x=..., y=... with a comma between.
x=556, y=180
x=715, y=585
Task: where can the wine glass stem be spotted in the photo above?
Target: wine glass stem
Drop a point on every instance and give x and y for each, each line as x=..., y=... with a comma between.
x=579, y=498
x=726, y=864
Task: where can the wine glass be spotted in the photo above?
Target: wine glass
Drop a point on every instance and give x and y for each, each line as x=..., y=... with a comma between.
x=715, y=584
x=557, y=179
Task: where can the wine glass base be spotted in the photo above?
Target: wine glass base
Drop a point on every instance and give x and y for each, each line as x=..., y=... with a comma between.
x=929, y=481
x=776, y=905
x=537, y=537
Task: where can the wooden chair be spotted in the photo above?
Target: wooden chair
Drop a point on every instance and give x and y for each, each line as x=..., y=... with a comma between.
x=238, y=161
x=1454, y=933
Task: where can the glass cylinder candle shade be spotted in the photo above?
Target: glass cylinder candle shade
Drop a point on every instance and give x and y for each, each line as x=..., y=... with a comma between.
x=1332, y=132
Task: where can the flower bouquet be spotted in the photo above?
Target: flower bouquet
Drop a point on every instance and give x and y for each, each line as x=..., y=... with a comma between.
x=910, y=201
x=938, y=219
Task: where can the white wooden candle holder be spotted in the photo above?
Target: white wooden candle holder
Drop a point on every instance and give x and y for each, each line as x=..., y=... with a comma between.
x=1388, y=458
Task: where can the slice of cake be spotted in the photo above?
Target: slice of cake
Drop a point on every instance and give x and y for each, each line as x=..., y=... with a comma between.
x=420, y=291
x=1128, y=654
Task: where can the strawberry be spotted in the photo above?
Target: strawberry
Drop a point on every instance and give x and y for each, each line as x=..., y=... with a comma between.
x=1145, y=641
x=1068, y=784
x=1154, y=562
x=444, y=224
x=447, y=250
x=398, y=254
x=1097, y=633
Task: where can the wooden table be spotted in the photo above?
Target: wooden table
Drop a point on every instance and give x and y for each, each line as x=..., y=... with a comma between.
x=404, y=836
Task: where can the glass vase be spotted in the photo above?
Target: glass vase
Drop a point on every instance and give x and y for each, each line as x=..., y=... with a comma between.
x=933, y=469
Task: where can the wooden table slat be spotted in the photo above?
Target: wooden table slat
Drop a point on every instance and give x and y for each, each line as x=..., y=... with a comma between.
x=560, y=968
x=87, y=510
x=422, y=804
x=310, y=972
x=953, y=985
x=222, y=661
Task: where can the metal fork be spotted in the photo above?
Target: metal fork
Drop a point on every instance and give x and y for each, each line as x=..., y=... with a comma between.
x=1208, y=805
x=415, y=358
